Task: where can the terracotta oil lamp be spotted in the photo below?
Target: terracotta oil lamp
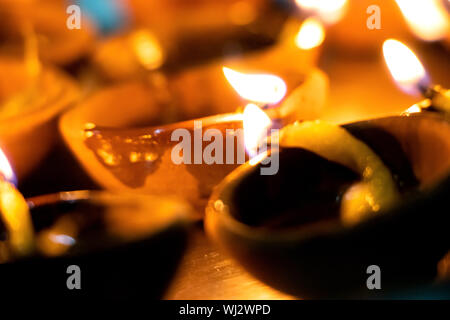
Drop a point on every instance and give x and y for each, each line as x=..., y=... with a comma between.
x=302, y=230
x=31, y=97
x=124, y=245
x=57, y=44
x=140, y=159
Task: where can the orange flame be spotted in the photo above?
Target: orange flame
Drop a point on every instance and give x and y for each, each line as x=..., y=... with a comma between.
x=256, y=124
x=404, y=66
x=428, y=19
x=263, y=88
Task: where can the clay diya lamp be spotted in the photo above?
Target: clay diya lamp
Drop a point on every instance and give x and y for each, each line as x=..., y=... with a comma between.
x=48, y=20
x=31, y=97
x=306, y=230
x=140, y=159
x=123, y=246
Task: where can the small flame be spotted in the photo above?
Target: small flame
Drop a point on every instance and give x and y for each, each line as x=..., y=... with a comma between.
x=263, y=88
x=6, y=169
x=405, y=67
x=427, y=19
x=256, y=124
x=310, y=35
x=147, y=49
x=330, y=11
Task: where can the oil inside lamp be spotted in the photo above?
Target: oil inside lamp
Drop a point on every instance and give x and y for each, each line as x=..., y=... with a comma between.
x=124, y=154
x=404, y=66
x=398, y=166
x=427, y=19
x=410, y=75
x=263, y=89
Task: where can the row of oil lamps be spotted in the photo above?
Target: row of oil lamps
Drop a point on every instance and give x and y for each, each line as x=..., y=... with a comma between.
x=287, y=229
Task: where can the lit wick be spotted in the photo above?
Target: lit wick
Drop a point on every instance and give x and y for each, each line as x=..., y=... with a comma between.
x=438, y=97
x=410, y=75
x=14, y=212
x=264, y=91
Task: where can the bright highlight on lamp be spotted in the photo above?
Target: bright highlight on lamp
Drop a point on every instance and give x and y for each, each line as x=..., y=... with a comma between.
x=256, y=124
x=310, y=35
x=404, y=66
x=263, y=88
x=426, y=18
x=330, y=11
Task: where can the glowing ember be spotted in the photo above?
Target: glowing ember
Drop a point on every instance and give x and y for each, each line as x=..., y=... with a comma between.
x=310, y=35
x=405, y=67
x=256, y=124
x=263, y=88
x=427, y=19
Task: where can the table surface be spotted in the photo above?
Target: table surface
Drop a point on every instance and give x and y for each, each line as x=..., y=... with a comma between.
x=206, y=272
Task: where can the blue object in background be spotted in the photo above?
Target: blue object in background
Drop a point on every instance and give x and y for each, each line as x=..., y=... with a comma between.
x=108, y=15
